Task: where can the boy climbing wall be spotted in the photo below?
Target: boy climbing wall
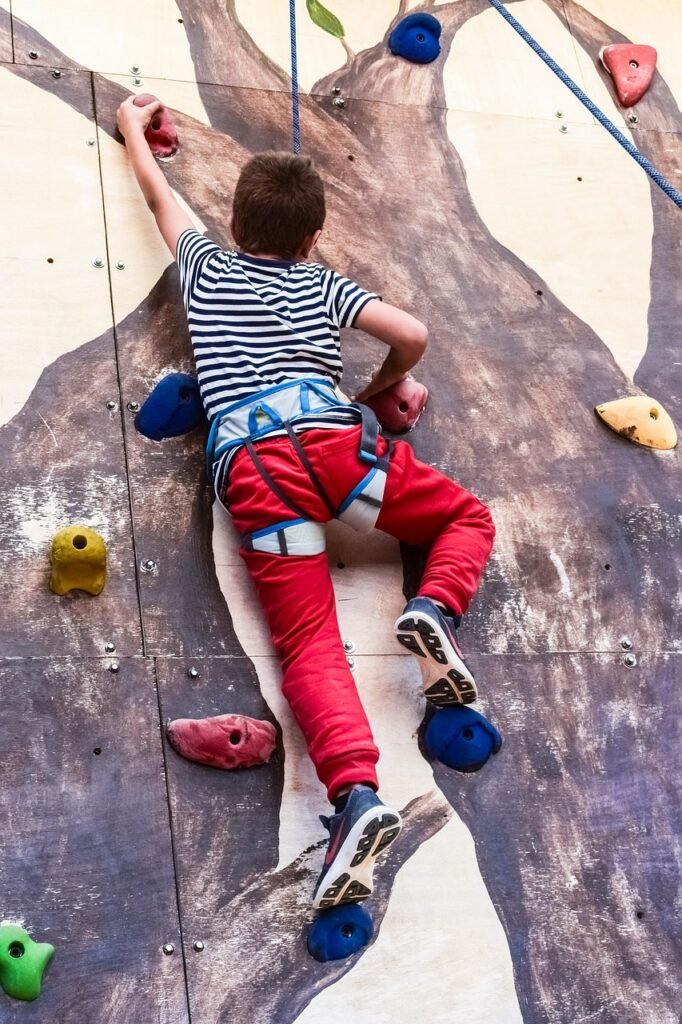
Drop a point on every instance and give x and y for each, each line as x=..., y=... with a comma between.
x=289, y=454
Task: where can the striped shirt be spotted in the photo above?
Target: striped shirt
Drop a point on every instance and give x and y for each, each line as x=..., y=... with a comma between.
x=256, y=323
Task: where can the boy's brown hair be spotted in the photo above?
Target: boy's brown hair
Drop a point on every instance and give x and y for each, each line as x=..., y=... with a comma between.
x=278, y=203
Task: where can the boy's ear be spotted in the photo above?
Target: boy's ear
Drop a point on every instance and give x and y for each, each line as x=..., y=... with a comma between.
x=309, y=244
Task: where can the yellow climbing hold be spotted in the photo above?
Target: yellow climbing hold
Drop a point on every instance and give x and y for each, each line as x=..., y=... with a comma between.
x=640, y=419
x=79, y=561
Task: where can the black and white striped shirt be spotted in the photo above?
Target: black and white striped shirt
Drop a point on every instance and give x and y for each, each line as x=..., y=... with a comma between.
x=256, y=323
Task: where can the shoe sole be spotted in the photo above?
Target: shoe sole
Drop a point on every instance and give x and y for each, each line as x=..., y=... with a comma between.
x=446, y=680
x=349, y=878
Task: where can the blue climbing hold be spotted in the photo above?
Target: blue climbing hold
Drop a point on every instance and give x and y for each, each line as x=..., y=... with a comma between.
x=461, y=738
x=416, y=38
x=174, y=407
x=339, y=932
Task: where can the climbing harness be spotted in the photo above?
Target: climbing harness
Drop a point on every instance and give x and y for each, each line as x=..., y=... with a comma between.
x=279, y=408
x=295, y=112
x=653, y=173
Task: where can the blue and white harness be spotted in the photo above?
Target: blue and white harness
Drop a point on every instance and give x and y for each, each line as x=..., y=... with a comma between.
x=279, y=408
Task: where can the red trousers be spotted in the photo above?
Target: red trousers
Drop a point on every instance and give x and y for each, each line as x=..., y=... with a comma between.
x=421, y=506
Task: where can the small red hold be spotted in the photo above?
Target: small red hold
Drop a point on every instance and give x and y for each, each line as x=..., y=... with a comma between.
x=631, y=67
x=226, y=741
x=399, y=407
x=161, y=133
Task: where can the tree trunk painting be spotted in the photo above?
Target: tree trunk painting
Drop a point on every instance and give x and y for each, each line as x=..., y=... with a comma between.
x=539, y=890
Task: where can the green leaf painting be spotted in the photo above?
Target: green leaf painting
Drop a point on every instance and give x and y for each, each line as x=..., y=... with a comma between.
x=325, y=19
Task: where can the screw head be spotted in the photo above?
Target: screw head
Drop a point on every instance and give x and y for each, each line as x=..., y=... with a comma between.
x=137, y=81
x=193, y=672
x=90, y=141
x=348, y=646
x=630, y=660
x=351, y=663
x=132, y=406
x=626, y=643
x=115, y=666
x=135, y=69
x=336, y=90
x=56, y=73
x=33, y=54
x=559, y=113
x=112, y=406
x=168, y=948
x=563, y=129
x=98, y=262
x=120, y=265
x=198, y=946
x=338, y=102
x=147, y=565
x=633, y=119
x=109, y=647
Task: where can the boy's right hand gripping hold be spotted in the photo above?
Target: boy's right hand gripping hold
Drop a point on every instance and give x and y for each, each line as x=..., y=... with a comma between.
x=406, y=337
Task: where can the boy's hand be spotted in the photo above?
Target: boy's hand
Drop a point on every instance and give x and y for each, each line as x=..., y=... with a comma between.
x=131, y=119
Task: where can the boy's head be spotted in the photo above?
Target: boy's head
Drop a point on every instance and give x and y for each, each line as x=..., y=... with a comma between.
x=278, y=207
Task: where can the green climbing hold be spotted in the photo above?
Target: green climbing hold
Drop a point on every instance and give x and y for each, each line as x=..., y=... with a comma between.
x=22, y=962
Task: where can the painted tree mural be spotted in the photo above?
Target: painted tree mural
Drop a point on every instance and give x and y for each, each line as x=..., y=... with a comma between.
x=574, y=827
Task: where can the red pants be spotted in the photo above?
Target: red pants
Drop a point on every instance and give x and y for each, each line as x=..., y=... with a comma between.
x=421, y=506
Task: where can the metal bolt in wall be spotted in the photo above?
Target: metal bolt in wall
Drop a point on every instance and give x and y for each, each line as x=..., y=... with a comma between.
x=348, y=646
x=33, y=54
x=168, y=948
x=338, y=102
x=109, y=647
x=90, y=141
x=147, y=565
x=114, y=667
x=351, y=663
x=626, y=643
x=198, y=946
x=630, y=660
x=132, y=406
x=120, y=265
x=98, y=262
x=112, y=406
x=56, y=73
x=135, y=69
x=193, y=672
x=563, y=129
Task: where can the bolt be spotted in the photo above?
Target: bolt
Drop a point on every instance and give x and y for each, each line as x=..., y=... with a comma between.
x=351, y=663
x=559, y=113
x=98, y=262
x=132, y=406
x=90, y=141
x=114, y=667
x=626, y=643
x=633, y=119
x=56, y=73
x=630, y=660
x=111, y=405
x=120, y=265
x=338, y=102
x=33, y=54
x=135, y=69
x=563, y=129
x=348, y=646
x=198, y=946
x=147, y=565
x=336, y=90
x=193, y=672
x=168, y=948
x=109, y=647
x=137, y=81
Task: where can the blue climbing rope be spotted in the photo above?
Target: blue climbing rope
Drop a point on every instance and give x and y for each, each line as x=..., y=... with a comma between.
x=653, y=173
x=295, y=114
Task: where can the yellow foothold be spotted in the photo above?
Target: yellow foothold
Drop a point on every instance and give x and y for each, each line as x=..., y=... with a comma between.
x=79, y=561
x=640, y=419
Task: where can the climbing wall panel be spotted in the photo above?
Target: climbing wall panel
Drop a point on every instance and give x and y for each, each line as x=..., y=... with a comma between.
x=63, y=456
x=86, y=856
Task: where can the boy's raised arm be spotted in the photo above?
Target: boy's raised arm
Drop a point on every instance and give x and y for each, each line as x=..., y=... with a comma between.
x=171, y=219
x=406, y=337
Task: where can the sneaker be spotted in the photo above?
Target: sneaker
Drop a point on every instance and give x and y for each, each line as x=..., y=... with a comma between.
x=363, y=830
x=429, y=634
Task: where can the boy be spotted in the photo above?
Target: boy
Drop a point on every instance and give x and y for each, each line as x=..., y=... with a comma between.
x=288, y=454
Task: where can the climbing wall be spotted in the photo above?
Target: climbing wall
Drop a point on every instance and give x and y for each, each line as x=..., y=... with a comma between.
x=476, y=192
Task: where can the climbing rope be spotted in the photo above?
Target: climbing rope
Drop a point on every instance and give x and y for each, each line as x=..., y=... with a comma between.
x=295, y=116
x=653, y=173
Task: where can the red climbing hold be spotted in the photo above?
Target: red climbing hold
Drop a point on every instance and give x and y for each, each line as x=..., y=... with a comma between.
x=161, y=134
x=631, y=67
x=399, y=407
x=226, y=741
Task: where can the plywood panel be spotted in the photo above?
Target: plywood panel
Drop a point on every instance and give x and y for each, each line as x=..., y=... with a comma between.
x=86, y=856
x=6, y=49
x=62, y=457
x=250, y=902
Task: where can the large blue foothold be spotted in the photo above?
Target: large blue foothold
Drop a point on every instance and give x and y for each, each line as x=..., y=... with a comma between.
x=174, y=407
x=339, y=932
x=416, y=38
x=461, y=738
